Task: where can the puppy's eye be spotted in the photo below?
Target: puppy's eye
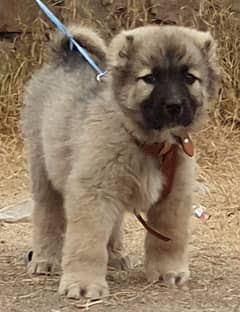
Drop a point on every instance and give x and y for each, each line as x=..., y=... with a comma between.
x=150, y=79
x=190, y=78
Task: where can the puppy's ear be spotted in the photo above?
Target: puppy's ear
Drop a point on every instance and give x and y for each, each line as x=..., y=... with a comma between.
x=206, y=43
x=120, y=49
x=209, y=49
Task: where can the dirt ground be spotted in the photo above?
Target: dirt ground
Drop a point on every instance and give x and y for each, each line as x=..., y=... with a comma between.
x=215, y=247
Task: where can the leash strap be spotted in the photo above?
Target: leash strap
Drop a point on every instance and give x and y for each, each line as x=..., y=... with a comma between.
x=72, y=41
x=150, y=229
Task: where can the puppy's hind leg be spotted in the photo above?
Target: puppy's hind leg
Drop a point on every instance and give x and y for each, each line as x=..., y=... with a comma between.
x=116, y=259
x=48, y=222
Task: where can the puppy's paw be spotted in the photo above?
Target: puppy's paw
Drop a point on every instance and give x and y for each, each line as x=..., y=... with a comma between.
x=117, y=261
x=176, y=278
x=41, y=265
x=171, y=279
x=75, y=287
x=171, y=272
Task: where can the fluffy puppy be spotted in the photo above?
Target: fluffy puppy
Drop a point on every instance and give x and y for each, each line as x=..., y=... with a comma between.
x=85, y=144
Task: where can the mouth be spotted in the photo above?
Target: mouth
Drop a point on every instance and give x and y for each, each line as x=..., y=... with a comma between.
x=164, y=122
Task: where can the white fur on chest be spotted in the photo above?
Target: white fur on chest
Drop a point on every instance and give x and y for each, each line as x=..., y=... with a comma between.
x=153, y=181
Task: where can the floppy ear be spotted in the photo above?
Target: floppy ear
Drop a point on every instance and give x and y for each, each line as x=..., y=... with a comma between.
x=120, y=49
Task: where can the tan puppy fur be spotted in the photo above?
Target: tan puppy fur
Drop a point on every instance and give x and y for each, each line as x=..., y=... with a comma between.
x=86, y=167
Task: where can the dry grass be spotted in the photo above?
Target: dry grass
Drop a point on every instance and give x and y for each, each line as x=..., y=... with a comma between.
x=28, y=52
x=13, y=175
x=225, y=27
x=219, y=154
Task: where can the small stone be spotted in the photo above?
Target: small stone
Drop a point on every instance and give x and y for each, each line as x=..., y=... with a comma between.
x=107, y=2
x=143, y=301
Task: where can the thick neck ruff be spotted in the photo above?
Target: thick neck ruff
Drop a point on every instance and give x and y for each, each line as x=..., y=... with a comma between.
x=166, y=153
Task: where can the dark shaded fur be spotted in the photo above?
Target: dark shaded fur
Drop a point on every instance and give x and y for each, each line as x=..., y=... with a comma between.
x=170, y=103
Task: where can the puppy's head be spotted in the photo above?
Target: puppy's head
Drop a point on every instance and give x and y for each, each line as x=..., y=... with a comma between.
x=164, y=76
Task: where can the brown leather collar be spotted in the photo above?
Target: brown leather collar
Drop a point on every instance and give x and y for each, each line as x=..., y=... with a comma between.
x=160, y=149
x=167, y=154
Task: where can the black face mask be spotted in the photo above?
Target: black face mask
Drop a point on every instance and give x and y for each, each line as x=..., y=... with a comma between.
x=170, y=102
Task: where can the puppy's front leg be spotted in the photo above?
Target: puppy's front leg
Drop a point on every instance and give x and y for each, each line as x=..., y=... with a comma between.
x=169, y=260
x=89, y=225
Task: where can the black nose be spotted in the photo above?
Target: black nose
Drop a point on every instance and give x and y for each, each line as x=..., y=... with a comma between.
x=174, y=109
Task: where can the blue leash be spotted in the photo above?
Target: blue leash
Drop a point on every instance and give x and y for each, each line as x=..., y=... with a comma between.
x=72, y=41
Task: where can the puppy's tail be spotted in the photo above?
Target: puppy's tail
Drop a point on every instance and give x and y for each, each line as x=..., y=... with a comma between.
x=59, y=46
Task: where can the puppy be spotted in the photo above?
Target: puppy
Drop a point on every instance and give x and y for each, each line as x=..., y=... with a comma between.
x=88, y=145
